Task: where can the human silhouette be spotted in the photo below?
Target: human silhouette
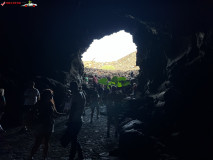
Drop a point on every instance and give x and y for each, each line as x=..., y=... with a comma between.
x=45, y=121
x=75, y=121
x=94, y=98
x=31, y=97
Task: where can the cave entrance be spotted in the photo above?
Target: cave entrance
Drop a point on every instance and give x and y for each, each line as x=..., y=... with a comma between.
x=112, y=55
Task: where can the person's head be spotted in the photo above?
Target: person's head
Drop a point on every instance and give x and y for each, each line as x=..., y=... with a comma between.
x=1, y=92
x=74, y=86
x=47, y=95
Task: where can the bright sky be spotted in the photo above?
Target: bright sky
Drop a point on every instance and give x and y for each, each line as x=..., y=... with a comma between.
x=110, y=48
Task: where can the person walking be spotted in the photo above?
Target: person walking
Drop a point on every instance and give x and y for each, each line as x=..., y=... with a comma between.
x=95, y=81
x=31, y=95
x=74, y=122
x=44, y=123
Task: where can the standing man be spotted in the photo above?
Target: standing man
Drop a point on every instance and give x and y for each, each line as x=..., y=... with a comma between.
x=31, y=97
x=95, y=81
x=75, y=121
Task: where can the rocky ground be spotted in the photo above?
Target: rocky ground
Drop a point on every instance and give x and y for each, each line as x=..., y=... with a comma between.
x=96, y=146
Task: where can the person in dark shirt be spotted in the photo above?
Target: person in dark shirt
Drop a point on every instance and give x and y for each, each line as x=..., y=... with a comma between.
x=31, y=95
x=95, y=81
x=75, y=121
x=94, y=98
x=114, y=102
x=45, y=120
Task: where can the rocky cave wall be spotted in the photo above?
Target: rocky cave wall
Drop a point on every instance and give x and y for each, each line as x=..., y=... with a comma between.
x=174, y=54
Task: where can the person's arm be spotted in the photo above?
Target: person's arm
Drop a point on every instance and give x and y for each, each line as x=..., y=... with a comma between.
x=55, y=112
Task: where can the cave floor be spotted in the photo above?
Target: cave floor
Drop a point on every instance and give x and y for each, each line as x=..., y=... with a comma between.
x=96, y=146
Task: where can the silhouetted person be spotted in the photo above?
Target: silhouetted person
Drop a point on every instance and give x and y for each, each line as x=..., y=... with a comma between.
x=2, y=106
x=114, y=99
x=94, y=98
x=31, y=96
x=45, y=121
x=75, y=121
x=100, y=93
x=134, y=88
x=95, y=81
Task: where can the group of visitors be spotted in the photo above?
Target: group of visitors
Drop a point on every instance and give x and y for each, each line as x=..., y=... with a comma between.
x=39, y=112
x=111, y=97
x=46, y=112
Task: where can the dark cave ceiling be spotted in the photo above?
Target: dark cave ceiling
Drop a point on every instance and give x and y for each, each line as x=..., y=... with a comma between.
x=55, y=30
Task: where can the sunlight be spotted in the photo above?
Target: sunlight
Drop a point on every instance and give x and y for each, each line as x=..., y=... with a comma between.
x=110, y=48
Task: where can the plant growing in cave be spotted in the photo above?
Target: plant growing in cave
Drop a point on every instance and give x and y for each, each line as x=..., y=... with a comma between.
x=116, y=81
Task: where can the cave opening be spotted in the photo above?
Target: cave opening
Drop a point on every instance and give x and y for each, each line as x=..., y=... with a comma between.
x=112, y=55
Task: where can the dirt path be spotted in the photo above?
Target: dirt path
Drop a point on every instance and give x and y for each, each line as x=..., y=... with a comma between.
x=16, y=146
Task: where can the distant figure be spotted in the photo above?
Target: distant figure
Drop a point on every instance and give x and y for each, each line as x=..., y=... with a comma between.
x=94, y=99
x=86, y=79
x=114, y=102
x=2, y=107
x=95, y=81
x=100, y=90
x=75, y=122
x=105, y=95
x=131, y=74
x=44, y=124
x=134, y=88
x=31, y=96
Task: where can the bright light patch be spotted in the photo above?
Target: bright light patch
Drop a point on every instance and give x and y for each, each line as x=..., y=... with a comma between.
x=110, y=48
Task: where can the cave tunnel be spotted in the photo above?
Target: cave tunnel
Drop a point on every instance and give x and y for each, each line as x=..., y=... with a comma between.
x=113, y=55
x=171, y=117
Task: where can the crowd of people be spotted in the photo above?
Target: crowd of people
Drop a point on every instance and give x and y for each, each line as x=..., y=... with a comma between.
x=39, y=112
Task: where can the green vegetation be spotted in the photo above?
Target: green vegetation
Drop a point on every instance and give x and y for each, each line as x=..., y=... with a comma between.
x=108, y=67
x=116, y=81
